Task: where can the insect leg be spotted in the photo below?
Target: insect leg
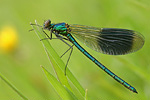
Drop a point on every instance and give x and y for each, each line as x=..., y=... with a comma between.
x=71, y=47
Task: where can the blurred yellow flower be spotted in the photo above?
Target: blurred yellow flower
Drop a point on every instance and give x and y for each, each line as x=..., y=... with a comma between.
x=8, y=39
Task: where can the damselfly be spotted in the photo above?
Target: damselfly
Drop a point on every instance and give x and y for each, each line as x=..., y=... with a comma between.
x=112, y=41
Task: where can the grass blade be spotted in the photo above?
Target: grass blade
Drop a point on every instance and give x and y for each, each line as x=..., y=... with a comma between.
x=61, y=90
x=57, y=63
x=9, y=84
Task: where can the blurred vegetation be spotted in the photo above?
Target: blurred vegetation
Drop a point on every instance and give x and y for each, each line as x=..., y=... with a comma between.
x=22, y=54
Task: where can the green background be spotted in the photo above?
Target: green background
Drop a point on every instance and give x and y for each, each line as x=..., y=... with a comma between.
x=22, y=67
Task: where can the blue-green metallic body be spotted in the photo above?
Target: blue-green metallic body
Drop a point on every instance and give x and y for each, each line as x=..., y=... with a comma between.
x=69, y=36
x=61, y=28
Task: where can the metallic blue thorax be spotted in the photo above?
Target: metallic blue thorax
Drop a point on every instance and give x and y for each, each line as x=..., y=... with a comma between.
x=61, y=28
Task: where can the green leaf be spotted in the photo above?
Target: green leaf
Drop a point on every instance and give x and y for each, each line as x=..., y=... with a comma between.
x=64, y=93
x=52, y=55
x=56, y=62
x=9, y=84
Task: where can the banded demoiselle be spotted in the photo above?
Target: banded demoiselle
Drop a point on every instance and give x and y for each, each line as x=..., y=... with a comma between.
x=111, y=41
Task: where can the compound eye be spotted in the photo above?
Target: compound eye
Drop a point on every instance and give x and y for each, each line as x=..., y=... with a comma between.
x=47, y=23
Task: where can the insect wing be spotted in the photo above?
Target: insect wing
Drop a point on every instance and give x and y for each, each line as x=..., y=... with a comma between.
x=110, y=41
